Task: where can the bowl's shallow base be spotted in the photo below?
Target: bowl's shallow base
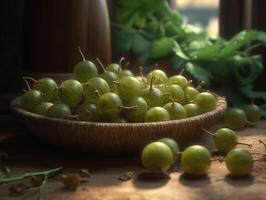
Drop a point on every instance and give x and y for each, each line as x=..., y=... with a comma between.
x=114, y=138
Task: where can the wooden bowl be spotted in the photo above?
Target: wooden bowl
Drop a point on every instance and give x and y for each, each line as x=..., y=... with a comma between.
x=114, y=138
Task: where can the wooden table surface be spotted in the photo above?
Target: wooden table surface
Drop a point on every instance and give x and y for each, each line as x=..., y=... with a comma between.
x=28, y=153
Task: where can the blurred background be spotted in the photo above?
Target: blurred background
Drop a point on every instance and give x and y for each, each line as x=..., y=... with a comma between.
x=40, y=37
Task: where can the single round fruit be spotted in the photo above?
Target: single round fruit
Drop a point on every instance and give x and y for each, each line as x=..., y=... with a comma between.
x=191, y=93
x=175, y=110
x=253, y=113
x=157, y=114
x=30, y=99
x=109, y=77
x=95, y=88
x=239, y=162
x=42, y=108
x=157, y=157
x=158, y=75
x=71, y=92
x=138, y=111
x=179, y=80
x=192, y=109
x=196, y=160
x=225, y=140
x=172, y=144
x=85, y=70
x=87, y=112
x=235, y=118
x=114, y=67
x=108, y=106
x=206, y=101
x=59, y=110
x=126, y=72
x=129, y=87
x=153, y=97
x=173, y=92
x=47, y=87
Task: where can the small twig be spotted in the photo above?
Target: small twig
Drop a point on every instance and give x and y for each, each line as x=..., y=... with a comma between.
x=264, y=144
x=26, y=175
x=206, y=131
x=249, y=145
x=250, y=48
x=81, y=53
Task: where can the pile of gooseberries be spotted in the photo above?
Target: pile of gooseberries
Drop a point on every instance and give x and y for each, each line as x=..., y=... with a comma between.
x=236, y=118
x=161, y=155
x=116, y=95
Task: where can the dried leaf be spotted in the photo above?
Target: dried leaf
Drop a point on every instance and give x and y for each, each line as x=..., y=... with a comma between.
x=70, y=181
x=126, y=176
x=85, y=173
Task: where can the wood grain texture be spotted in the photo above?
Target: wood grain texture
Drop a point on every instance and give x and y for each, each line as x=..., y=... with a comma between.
x=114, y=138
x=54, y=30
x=28, y=153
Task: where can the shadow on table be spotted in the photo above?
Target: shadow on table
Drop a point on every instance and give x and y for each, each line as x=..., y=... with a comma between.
x=148, y=180
x=239, y=181
x=194, y=181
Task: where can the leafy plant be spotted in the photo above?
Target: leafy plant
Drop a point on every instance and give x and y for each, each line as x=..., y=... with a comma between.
x=153, y=31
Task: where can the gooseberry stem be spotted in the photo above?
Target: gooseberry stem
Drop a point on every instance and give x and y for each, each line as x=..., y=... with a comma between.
x=189, y=83
x=128, y=107
x=30, y=78
x=264, y=144
x=141, y=71
x=206, y=131
x=27, y=83
x=250, y=123
x=199, y=86
x=220, y=159
x=249, y=145
x=81, y=53
x=101, y=64
x=97, y=93
x=166, y=174
x=120, y=65
x=152, y=79
x=182, y=71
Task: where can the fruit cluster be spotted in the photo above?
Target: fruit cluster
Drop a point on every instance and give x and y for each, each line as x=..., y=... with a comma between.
x=116, y=95
x=196, y=160
x=237, y=118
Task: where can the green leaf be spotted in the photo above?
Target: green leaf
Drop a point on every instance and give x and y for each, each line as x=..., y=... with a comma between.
x=236, y=43
x=248, y=69
x=123, y=40
x=261, y=37
x=140, y=44
x=209, y=52
x=177, y=62
x=199, y=73
x=171, y=29
x=162, y=47
x=250, y=93
x=178, y=51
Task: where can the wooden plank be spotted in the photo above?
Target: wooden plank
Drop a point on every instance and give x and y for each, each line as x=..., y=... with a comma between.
x=104, y=183
x=231, y=16
x=259, y=22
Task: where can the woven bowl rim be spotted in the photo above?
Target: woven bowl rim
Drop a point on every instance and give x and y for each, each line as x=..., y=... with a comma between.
x=221, y=106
